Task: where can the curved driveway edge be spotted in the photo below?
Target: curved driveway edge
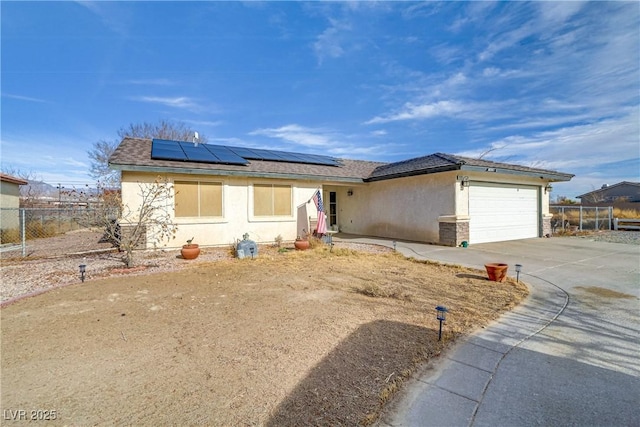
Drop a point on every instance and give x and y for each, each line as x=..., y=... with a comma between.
x=566, y=356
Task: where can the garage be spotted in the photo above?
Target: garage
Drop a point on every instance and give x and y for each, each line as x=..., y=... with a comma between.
x=501, y=212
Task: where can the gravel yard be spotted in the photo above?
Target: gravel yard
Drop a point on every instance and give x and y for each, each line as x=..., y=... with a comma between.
x=624, y=237
x=54, y=262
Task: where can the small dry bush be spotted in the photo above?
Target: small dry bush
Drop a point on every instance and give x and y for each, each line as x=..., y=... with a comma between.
x=626, y=213
x=314, y=242
x=10, y=236
x=384, y=291
x=38, y=230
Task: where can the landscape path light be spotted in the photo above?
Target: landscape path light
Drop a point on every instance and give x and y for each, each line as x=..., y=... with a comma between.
x=441, y=316
x=518, y=270
x=83, y=269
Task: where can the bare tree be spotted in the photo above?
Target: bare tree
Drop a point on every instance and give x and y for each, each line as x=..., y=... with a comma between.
x=103, y=149
x=99, y=169
x=164, y=129
x=487, y=151
x=132, y=228
x=149, y=222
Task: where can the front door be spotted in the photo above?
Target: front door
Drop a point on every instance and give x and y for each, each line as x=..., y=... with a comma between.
x=333, y=209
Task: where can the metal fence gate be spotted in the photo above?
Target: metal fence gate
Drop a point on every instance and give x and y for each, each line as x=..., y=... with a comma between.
x=19, y=225
x=579, y=218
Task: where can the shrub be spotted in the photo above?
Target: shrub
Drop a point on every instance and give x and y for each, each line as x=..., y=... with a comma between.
x=625, y=213
x=10, y=236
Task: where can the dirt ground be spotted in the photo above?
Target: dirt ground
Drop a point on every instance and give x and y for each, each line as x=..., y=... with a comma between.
x=289, y=338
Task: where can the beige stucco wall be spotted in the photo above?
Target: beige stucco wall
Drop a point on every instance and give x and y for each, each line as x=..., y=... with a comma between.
x=412, y=208
x=237, y=208
x=9, y=199
x=9, y=195
x=403, y=208
x=409, y=208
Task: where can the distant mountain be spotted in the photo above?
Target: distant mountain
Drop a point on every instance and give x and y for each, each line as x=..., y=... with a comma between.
x=40, y=189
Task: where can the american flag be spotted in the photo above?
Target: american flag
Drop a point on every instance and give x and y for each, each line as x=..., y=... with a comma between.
x=322, y=219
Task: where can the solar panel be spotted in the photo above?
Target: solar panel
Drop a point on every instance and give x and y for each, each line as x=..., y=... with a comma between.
x=271, y=155
x=284, y=156
x=198, y=153
x=291, y=157
x=207, y=153
x=247, y=153
x=186, y=151
x=322, y=160
x=225, y=155
x=167, y=150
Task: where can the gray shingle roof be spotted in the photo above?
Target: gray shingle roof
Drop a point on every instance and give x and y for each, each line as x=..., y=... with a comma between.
x=135, y=154
x=608, y=188
x=440, y=162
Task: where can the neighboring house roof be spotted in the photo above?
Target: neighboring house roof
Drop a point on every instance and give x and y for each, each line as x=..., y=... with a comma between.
x=12, y=179
x=134, y=154
x=609, y=188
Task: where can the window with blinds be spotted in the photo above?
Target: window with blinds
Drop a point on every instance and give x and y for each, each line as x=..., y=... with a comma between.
x=271, y=200
x=198, y=199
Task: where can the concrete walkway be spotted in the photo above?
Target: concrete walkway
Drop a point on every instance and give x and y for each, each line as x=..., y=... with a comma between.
x=569, y=355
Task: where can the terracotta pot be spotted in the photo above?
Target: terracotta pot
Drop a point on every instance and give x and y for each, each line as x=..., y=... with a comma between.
x=497, y=272
x=190, y=251
x=301, y=245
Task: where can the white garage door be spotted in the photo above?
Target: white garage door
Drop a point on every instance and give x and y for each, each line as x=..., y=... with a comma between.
x=502, y=212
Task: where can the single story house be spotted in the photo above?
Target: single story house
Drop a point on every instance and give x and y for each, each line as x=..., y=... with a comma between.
x=221, y=193
x=624, y=191
x=10, y=201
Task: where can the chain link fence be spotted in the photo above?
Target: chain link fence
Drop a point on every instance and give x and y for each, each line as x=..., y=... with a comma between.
x=18, y=226
x=581, y=218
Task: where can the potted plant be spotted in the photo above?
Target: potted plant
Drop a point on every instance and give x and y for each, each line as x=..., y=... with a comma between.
x=190, y=250
x=497, y=272
x=301, y=243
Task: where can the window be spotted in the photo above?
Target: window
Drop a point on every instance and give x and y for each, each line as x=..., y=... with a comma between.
x=198, y=199
x=271, y=200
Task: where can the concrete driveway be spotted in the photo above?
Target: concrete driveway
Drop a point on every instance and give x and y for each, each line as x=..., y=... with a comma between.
x=570, y=355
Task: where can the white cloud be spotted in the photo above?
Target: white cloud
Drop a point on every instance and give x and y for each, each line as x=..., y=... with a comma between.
x=114, y=15
x=180, y=102
x=329, y=43
x=24, y=98
x=558, y=12
x=580, y=147
x=412, y=111
x=151, y=82
x=298, y=135
x=205, y=123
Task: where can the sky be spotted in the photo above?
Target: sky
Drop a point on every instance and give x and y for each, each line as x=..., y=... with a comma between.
x=554, y=85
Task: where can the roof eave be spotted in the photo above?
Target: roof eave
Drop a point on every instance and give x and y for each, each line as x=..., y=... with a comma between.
x=543, y=175
x=195, y=171
x=413, y=173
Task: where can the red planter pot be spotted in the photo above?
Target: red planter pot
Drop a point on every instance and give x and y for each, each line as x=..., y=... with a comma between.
x=190, y=251
x=301, y=245
x=497, y=272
